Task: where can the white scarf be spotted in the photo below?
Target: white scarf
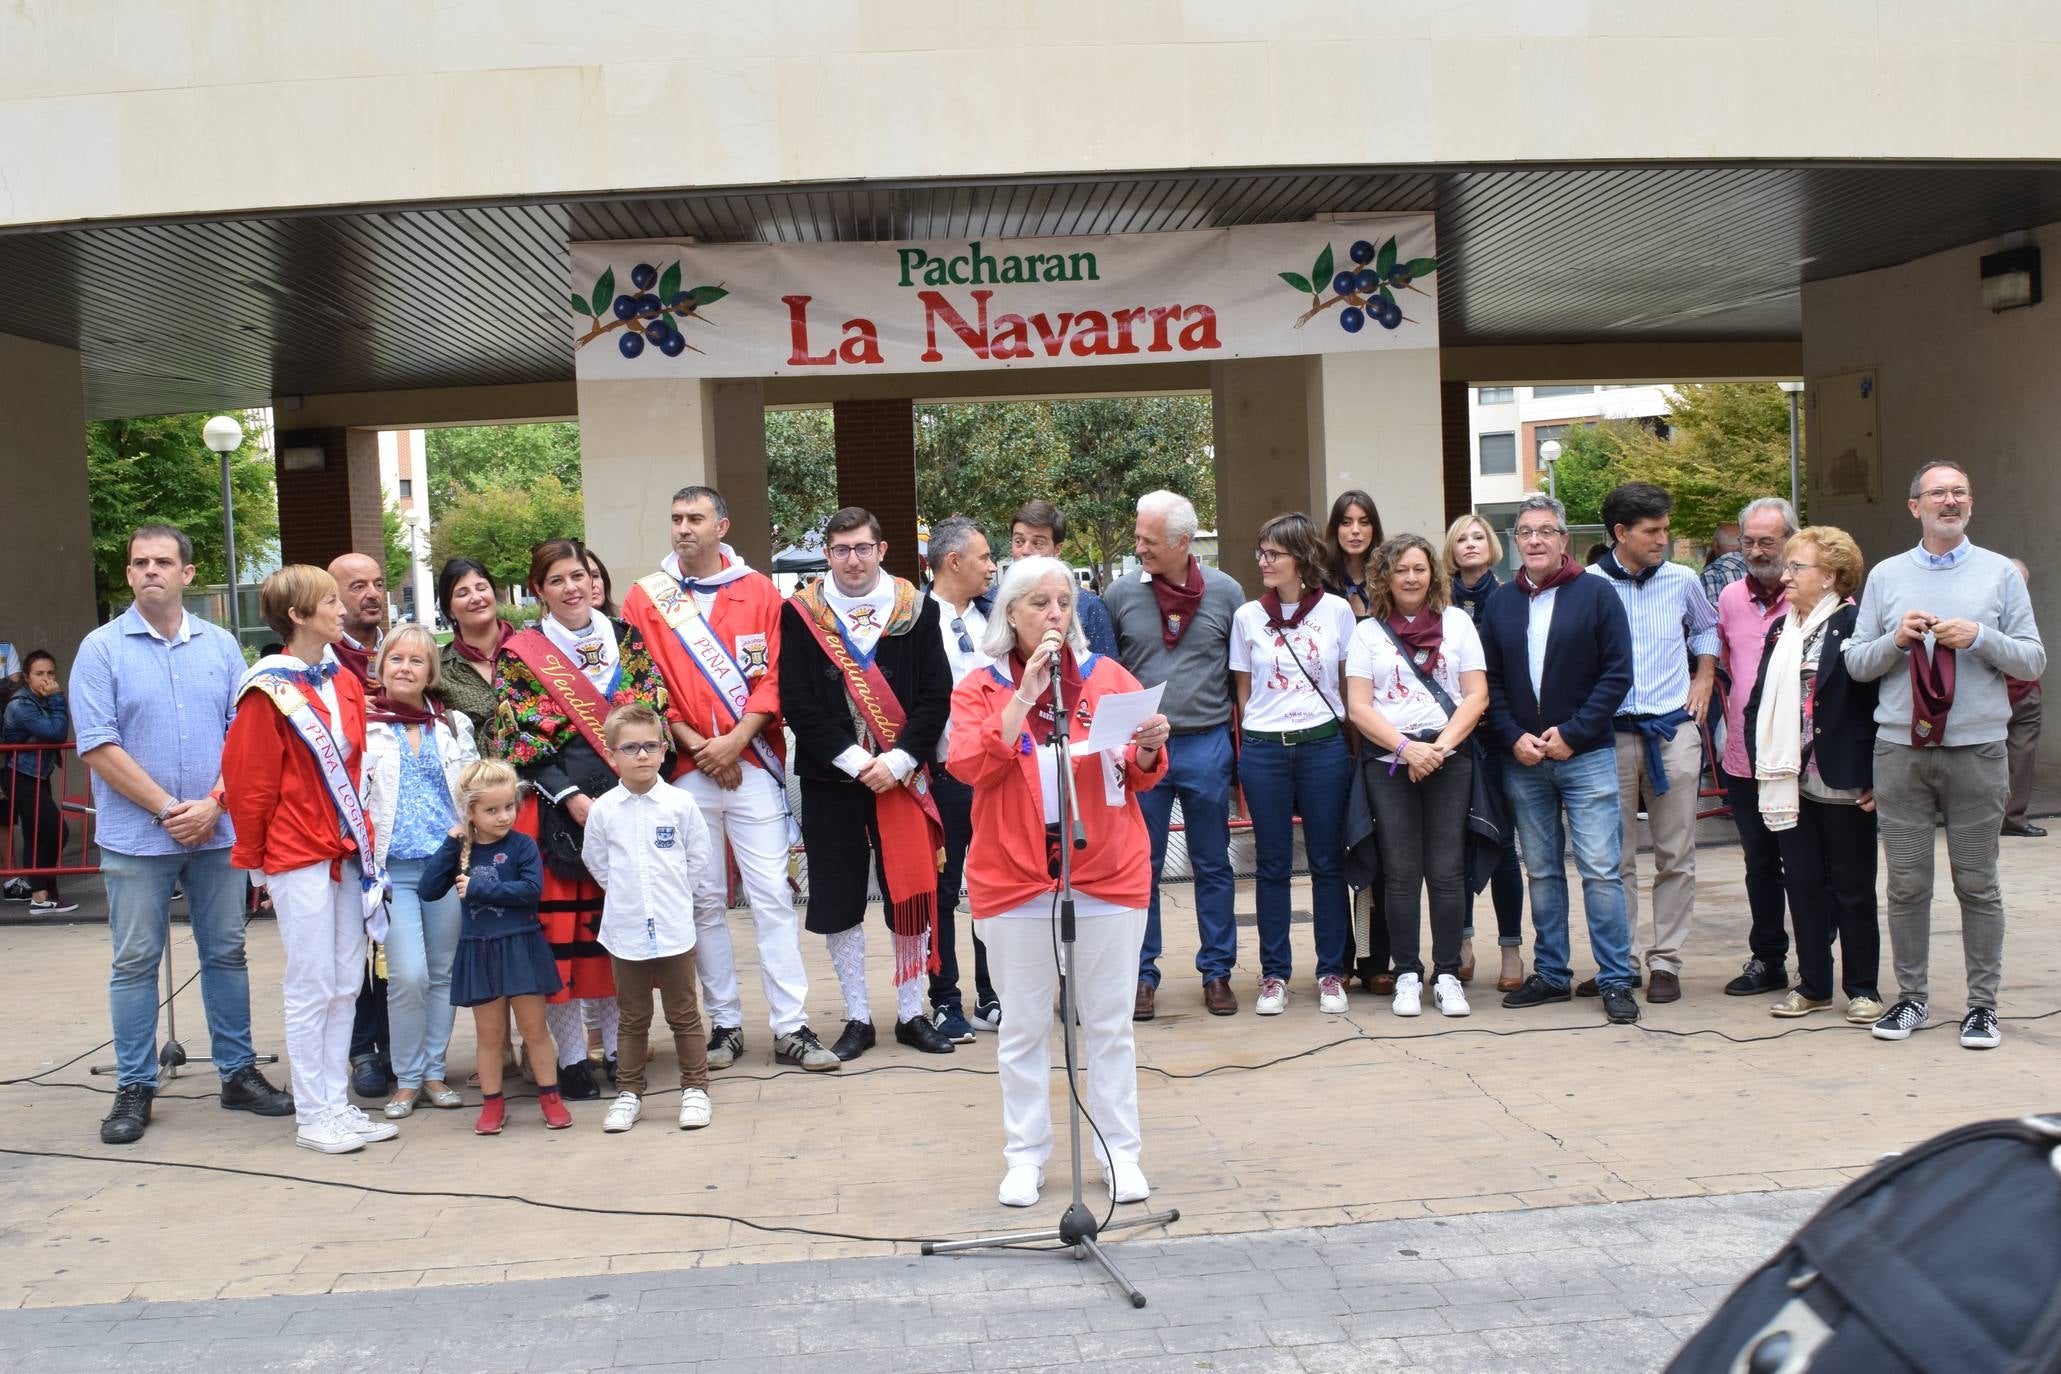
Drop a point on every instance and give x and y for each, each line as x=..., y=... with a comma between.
x=733, y=568
x=866, y=632
x=592, y=650
x=1778, y=731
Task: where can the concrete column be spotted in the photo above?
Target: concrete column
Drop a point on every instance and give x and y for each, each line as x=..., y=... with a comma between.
x=330, y=499
x=1376, y=424
x=876, y=469
x=1260, y=411
x=46, y=562
x=641, y=441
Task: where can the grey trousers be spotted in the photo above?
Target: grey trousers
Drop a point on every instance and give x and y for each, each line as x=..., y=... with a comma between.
x=2023, y=740
x=1671, y=821
x=1966, y=784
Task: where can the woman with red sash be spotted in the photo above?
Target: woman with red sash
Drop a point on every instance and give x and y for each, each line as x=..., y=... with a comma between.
x=554, y=684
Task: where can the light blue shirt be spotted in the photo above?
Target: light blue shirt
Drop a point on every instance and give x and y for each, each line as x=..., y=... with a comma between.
x=1671, y=618
x=167, y=703
x=422, y=812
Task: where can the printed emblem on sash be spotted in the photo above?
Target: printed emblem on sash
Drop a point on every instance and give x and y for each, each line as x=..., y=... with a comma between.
x=751, y=654
x=591, y=656
x=665, y=837
x=1421, y=657
x=1924, y=728
x=863, y=617
x=1173, y=625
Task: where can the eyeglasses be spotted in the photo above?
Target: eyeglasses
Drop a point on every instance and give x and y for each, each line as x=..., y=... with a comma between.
x=1761, y=543
x=1268, y=555
x=845, y=552
x=1942, y=493
x=965, y=639
x=640, y=748
x=1527, y=533
x=1793, y=568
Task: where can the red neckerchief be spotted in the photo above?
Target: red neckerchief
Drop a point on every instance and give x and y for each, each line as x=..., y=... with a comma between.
x=1177, y=605
x=1069, y=682
x=385, y=710
x=1753, y=592
x=1270, y=601
x=355, y=659
x=1932, y=694
x=1560, y=576
x=466, y=651
x=1424, y=635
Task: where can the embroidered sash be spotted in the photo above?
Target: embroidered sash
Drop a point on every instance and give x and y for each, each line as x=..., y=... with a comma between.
x=569, y=689
x=706, y=650
x=343, y=795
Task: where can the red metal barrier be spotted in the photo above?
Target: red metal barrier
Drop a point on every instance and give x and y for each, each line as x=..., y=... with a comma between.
x=49, y=821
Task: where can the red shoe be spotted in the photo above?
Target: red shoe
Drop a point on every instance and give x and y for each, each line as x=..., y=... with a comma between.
x=492, y=1113
x=556, y=1117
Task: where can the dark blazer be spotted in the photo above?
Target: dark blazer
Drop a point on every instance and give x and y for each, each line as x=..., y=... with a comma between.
x=1588, y=664
x=816, y=708
x=1843, y=724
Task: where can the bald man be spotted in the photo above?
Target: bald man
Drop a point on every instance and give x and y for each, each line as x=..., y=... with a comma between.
x=361, y=581
x=2022, y=742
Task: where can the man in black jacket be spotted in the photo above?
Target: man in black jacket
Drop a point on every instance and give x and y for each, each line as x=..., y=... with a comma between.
x=1559, y=653
x=866, y=687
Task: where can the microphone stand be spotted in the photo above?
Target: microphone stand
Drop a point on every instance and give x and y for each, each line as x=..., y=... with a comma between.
x=1079, y=1228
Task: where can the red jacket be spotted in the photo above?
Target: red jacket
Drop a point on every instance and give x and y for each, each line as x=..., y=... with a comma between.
x=1005, y=863
x=281, y=808
x=748, y=609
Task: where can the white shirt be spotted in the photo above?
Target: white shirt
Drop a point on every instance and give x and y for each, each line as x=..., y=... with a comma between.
x=1536, y=631
x=1284, y=696
x=648, y=851
x=963, y=663
x=1400, y=696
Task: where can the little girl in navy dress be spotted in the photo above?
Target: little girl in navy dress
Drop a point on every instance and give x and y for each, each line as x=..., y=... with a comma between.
x=503, y=960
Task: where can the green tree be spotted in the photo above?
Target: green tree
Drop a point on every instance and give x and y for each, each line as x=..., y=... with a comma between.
x=801, y=472
x=1117, y=449
x=983, y=461
x=156, y=470
x=474, y=456
x=398, y=564
x=497, y=525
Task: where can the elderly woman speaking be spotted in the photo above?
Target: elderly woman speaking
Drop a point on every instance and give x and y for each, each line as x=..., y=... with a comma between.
x=1002, y=747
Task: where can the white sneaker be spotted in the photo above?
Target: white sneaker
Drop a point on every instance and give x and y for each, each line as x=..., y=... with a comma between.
x=1409, y=995
x=1020, y=1185
x=1331, y=995
x=623, y=1112
x=695, y=1111
x=365, y=1127
x=1126, y=1182
x=331, y=1135
x=1448, y=996
x=1273, y=998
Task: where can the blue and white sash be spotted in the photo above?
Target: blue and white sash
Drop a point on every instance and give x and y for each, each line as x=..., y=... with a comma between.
x=706, y=650
x=292, y=702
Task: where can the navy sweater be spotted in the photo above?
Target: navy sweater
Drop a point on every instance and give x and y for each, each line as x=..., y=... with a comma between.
x=507, y=883
x=1588, y=668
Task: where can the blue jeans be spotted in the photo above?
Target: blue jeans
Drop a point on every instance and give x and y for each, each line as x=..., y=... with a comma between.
x=139, y=906
x=419, y=949
x=1283, y=781
x=1587, y=786
x=1198, y=773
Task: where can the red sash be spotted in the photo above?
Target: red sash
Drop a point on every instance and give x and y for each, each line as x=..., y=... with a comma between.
x=912, y=836
x=569, y=689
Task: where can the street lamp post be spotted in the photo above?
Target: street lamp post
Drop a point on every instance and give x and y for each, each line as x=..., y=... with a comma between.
x=1549, y=454
x=414, y=518
x=1795, y=389
x=225, y=436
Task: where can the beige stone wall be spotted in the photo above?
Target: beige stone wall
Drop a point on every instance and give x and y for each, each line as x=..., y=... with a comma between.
x=46, y=555
x=114, y=108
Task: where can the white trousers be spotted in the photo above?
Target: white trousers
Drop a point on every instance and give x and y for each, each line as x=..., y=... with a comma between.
x=1105, y=988
x=322, y=932
x=753, y=820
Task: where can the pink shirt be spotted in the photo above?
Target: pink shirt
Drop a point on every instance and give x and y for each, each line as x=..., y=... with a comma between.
x=1743, y=627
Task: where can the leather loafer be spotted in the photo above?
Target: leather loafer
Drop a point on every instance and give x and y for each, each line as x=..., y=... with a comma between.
x=858, y=1037
x=2028, y=831
x=919, y=1034
x=1217, y=997
x=1143, y=1009
x=246, y=1090
x=1664, y=987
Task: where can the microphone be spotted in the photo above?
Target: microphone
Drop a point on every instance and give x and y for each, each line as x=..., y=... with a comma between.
x=1054, y=638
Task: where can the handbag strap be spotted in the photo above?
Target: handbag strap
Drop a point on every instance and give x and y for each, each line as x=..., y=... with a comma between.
x=1296, y=658
x=1431, y=684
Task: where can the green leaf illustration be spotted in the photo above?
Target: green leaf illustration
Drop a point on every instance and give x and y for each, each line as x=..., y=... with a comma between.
x=1321, y=273
x=1385, y=259
x=669, y=284
x=1299, y=282
x=604, y=292
x=580, y=307
x=1386, y=295
x=1421, y=267
x=707, y=295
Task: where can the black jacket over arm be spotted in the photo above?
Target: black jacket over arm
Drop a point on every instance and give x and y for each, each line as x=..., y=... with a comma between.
x=813, y=700
x=1843, y=741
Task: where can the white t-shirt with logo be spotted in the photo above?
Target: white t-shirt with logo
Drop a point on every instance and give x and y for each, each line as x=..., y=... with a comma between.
x=1401, y=696
x=1284, y=696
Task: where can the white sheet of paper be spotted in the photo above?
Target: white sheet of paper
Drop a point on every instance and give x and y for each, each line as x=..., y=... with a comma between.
x=1117, y=718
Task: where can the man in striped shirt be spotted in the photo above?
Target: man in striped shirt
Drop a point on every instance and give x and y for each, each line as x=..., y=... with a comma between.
x=1659, y=740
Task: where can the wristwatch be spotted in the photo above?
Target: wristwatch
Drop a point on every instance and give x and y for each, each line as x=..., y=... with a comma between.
x=220, y=797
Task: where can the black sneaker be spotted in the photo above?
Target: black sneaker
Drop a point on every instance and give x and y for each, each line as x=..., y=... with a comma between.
x=1620, y=1006
x=919, y=1034
x=247, y=1090
x=55, y=907
x=725, y=1043
x=1756, y=978
x=16, y=890
x=130, y=1117
x=1979, y=1029
x=858, y=1037
x=608, y=1066
x=1587, y=986
x=576, y=1082
x=1537, y=992
x=1906, y=1016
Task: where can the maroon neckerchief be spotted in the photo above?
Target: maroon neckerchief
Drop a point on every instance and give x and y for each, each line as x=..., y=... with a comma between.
x=1754, y=594
x=1270, y=602
x=1423, y=636
x=355, y=659
x=1932, y=694
x=1069, y=682
x=467, y=652
x=1177, y=605
x=1565, y=573
x=385, y=710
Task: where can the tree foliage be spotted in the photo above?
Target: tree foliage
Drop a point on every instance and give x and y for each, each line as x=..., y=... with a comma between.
x=157, y=470
x=498, y=523
x=476, y=456
x=801, y=472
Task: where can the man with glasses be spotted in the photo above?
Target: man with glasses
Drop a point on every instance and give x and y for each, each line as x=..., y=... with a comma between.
x=962, y=570
x=1747, y=609
x=1941, y=628
x=712, y=624
x=1558, y=727
x=1659, y=722
x=866, y=687
x=1036, y=531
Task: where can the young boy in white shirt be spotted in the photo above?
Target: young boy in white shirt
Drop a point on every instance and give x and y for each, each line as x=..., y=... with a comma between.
x=646, y=845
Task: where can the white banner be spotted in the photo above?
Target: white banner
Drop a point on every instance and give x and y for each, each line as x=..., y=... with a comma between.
x=650, y=309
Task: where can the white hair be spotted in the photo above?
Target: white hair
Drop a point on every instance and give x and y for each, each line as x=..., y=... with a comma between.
x=1023, y=577
x=1178, y=510
x=1779, y=504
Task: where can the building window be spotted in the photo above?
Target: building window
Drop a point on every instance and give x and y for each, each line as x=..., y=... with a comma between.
x=1495, y=395
x=1498, y=455
x=1541, y=433
x=407, y=489
x=1544, y=393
